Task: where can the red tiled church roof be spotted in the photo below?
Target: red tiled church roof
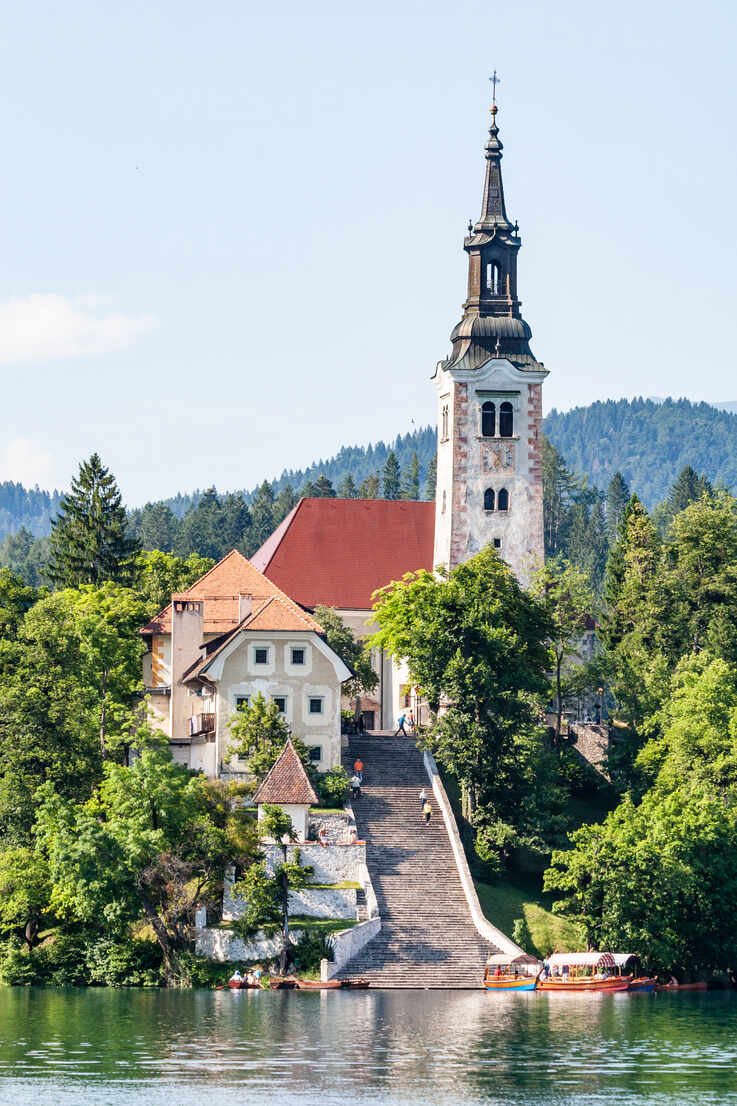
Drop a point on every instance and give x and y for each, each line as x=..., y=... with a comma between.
x=339, y=551
x=287, y=782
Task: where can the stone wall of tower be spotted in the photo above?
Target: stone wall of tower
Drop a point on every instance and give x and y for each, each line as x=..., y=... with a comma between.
x=470, y=464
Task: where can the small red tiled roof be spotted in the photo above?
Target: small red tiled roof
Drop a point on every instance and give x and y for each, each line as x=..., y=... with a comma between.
x=220, y=588
x=287, y=782
x=339, y=551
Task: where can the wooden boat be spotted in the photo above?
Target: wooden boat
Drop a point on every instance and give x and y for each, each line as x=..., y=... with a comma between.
x=319, y=985
x=643, y=983
x=282, y=983
x=355, y=984
x=579, y=972
x=680, y=986
x=503, y=973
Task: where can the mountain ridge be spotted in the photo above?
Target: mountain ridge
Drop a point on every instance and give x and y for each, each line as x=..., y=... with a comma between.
x=648, y=440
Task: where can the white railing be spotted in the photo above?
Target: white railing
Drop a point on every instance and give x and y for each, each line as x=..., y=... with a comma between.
x=488, y=931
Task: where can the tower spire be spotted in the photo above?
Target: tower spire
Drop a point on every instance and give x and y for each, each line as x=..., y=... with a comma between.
x=493, y=213
x=492, y=324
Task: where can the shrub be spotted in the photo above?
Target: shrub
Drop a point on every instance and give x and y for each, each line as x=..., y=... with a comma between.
x=17, y=965
x=62, y=960
x=332, y=787
x=127, y=962
x=310, y=949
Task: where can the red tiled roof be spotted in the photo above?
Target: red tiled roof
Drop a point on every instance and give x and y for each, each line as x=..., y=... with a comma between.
x=287, y=782
x=339, y=551
x=220, y=588
x=277, y=613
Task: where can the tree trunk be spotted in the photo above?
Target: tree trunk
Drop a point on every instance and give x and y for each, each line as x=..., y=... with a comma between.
x=160, y=933
x=559, y=698
x=31, y=932
x=103, y=719
x=285, y=916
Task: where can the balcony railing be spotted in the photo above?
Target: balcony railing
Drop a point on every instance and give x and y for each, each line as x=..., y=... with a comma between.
x=201, y=723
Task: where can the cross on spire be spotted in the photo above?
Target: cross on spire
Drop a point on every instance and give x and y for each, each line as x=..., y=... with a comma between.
x=494, y=82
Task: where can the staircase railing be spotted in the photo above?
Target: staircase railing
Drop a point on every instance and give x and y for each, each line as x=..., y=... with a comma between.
x=484, y=927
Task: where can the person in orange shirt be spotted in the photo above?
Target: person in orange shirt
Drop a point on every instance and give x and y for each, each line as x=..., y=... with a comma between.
x=358, y=768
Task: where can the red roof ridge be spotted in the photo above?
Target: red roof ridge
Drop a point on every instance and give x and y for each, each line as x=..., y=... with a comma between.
x=286, y=781
x=270, y=546
x=291, y=606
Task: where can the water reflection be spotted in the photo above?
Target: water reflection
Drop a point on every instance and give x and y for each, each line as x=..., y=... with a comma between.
x=120, y=1047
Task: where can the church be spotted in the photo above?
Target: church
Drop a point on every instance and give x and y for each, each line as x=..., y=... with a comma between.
x=338, y=552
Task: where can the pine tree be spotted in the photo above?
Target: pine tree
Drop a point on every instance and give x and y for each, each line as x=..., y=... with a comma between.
x=431, y=480
x=635, y=521
x=411, y=479
x=559, y=491
x=201, y=528
x=156, y=526
x=262, y=516
x=285, y=501
x=391, y=477
x=617, y=498
x=347, y=488
x=323, y=488
x=687, y=489
x=370, y=487
x=89, y=538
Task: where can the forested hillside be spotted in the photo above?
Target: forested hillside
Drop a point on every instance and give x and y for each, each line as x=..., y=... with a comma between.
x=648, y=442
x=357, y=461
x=28, y=507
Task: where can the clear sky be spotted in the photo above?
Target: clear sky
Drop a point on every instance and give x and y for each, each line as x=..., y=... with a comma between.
x=231, y=233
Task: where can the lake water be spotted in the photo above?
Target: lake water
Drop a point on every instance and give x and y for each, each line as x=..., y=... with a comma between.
x=84, y=1047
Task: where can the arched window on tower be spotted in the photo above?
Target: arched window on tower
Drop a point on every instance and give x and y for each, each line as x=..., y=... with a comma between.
x=506, y=420
x=489, y=499
x=488, y=419
x=444, y=425
x=444, y=502
x=493, y=278
x=503, y=500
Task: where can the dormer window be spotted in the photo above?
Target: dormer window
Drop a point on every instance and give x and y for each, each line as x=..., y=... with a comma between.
x=488, y=419
x=506, y=420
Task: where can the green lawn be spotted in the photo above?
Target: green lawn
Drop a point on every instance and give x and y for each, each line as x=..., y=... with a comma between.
x=346, y=885
x=322, y=811
x=320, y=925
x=504, y=902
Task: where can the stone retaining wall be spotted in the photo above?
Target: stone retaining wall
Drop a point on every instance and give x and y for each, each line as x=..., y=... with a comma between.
x=223, y=944
x=346, y=944
x=591, y=741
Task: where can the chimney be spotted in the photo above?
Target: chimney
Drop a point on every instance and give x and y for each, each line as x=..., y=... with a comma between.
x=186, y=638
x=245, y=606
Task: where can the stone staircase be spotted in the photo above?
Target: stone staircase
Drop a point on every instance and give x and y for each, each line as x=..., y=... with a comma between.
x=427, y=937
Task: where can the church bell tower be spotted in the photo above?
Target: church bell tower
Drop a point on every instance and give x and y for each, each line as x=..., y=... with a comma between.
x=489, y=481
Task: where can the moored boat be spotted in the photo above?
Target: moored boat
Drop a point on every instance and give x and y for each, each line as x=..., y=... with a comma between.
x=675, y=986
x=579, y=972
x=319, y=984
x=505, y=973
x=643, y=983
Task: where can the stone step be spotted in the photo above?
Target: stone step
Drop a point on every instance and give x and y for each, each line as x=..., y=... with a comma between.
x=428, y=938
